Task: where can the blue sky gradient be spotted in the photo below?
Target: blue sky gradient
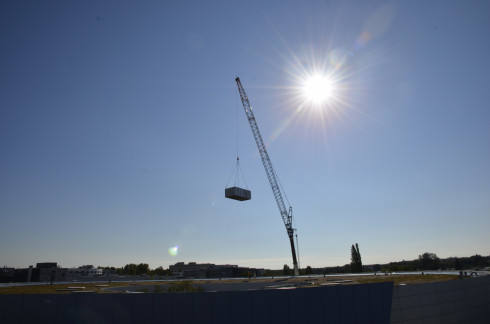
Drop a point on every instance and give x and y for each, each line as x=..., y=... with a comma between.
x=118, y=131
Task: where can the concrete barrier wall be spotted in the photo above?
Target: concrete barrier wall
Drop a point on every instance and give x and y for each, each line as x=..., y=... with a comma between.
x=368, y=303
x=458, y=301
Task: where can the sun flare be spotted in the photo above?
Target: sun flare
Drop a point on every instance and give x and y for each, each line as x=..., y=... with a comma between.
x=318, y=89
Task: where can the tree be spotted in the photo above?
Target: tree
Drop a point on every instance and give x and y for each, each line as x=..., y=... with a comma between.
x=136, y=269
x=268, y=273
x=286, y=270
x=142, y=268
x=130, y=269
x=457, y=264
x=429, y=261
x=160, y=271
x=477, y=261
x=355, y=257
x=308, y=270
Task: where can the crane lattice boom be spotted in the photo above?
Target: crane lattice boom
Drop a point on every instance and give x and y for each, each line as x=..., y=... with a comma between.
x=286, y=216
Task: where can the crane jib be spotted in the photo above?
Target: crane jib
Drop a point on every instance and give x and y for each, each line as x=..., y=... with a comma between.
x=286, y=216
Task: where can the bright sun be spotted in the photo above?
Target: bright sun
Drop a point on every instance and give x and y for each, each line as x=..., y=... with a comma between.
x=318, y=89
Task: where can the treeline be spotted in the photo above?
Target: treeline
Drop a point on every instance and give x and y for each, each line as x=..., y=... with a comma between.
x=138, y=269
x=425, y=261
x=287, y=271
x=430, y=261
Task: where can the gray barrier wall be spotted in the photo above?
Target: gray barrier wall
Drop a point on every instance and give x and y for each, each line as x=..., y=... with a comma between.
x=367, y=303
x=457, y=301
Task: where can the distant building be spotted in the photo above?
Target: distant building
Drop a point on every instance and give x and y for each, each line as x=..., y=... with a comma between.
x=7, y=274
x=26, y=275
x=222, y=271
x=210, y=270
x=85, y=270
x=46, y=265
x=49, y=271
x=190, y=270
x=46, y=271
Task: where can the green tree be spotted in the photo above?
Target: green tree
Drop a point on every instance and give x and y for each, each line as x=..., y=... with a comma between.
x=477, y=261
x=355, y=257
x=308, y=270
x=129, y=269
x=142, y=268
x=160, y=271
x=457, y=264
x=286, y=270
x=429, y=261
x=135, y=269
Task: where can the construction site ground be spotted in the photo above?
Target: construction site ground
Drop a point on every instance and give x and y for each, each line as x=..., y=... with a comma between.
x=224, y=284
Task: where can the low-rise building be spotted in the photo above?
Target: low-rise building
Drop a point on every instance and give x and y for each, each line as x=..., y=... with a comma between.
x=49, y=271
x=190, y=270
x=210, y=270
x=85, y=270
x=45, y=271
x=7, y=274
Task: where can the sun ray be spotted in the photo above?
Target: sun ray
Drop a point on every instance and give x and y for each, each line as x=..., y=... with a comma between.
x=324, y=84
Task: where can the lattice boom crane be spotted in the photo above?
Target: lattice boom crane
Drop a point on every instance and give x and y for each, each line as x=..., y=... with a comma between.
x=287, y=216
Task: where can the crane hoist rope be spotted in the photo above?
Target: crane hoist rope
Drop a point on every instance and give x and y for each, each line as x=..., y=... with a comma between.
x=237, y=171
x=237, y=192
x=286, y=215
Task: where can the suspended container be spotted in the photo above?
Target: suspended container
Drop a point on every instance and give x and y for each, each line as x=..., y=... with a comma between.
x=237, y=193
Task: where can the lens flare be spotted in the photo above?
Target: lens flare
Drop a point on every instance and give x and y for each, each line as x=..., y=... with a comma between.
x=338, y=57
x=173, y=251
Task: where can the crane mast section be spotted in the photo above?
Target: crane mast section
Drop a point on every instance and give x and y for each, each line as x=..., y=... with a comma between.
x=266, y=161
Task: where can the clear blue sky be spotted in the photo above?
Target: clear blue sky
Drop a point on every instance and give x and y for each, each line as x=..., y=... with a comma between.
x=118, y=125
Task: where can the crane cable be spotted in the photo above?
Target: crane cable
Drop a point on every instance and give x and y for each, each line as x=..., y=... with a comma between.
x=237, y=170
x=282, y=189
x=236, y=111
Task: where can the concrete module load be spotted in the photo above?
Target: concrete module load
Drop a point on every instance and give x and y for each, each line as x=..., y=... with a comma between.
x=238, y=193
